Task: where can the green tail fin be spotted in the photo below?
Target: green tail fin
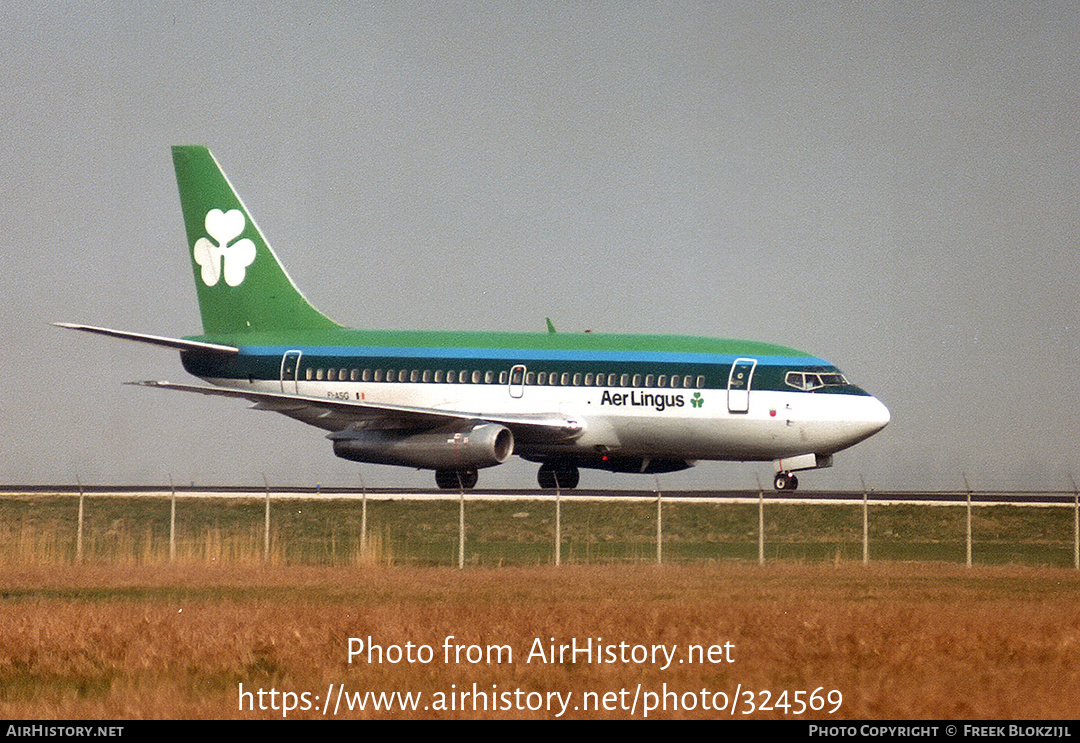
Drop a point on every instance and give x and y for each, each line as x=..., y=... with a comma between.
x=242, y=286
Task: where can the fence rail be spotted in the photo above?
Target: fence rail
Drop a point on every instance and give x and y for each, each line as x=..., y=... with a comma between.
x=1009, y=497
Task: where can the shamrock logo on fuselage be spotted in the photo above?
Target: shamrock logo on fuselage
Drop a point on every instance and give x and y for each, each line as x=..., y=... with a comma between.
x=221, y=259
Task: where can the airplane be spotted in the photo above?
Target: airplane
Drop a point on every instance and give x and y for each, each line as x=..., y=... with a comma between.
x=457, y=402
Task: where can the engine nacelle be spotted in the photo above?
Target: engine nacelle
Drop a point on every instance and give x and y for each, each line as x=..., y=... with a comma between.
x=485, y=445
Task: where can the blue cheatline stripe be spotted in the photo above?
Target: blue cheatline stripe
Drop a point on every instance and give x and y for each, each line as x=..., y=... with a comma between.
x=513, y=355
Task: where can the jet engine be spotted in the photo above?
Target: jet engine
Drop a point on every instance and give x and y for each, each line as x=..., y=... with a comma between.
x=484, y=445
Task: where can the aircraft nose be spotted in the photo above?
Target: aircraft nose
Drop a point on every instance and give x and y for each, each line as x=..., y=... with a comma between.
x=875, y=416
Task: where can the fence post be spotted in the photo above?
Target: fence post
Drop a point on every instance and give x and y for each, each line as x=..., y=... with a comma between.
x=558, y=523
x=461, y=524
x=266, y=522
x=363, y=515
x=659, y=519
x=968, y=489
x=1076, y=524
x=760, y=522
x=363, y=518
x=865, y=525
x=172, y=520
x=78, y=539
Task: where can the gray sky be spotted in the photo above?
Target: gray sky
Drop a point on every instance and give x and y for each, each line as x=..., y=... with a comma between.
x=892, y=186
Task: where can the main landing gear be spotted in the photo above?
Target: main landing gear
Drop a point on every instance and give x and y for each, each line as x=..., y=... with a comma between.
x=785, y=481
x=558, y=475
x=456, y=479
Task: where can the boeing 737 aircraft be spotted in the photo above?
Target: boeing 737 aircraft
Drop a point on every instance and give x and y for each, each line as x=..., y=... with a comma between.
x=456, y=402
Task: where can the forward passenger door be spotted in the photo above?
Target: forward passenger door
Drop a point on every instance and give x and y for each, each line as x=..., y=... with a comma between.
x=738, y=389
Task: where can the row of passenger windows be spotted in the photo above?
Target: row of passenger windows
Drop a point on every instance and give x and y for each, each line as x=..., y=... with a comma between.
x=515, y=376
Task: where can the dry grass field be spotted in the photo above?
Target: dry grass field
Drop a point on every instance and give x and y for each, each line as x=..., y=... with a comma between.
x=897, y=640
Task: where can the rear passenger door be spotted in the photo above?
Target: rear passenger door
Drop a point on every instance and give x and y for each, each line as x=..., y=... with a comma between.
x=290, y=370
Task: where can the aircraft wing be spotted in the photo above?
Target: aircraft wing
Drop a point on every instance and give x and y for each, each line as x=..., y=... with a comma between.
x=338, y=415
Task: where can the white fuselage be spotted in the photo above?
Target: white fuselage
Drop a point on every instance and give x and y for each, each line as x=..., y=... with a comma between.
x=633, y=421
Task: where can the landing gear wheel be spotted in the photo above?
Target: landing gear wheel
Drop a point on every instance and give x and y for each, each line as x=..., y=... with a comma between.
x=785, y=481
x=454, y=479
x=556, y=476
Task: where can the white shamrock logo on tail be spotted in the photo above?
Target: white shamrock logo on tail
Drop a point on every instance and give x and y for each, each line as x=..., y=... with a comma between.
x=223, y=227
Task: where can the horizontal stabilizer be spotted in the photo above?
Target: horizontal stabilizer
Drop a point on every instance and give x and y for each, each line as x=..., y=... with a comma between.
x=179, y=344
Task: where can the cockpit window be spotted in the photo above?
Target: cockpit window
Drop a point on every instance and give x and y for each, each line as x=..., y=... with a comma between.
x=807, y=381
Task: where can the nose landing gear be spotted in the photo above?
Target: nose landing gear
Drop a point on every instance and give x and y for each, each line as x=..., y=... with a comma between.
x=785, y=481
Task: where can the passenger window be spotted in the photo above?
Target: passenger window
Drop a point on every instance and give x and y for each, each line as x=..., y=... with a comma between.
x=503, y=376
x=451, y=376
x=477, y=376
x=588, y=379
x=541, y=379
x=648, y=380
x=565, y=381
x=661, y=381
x=577, y=379
x=489, y=377
x=701, y=382
x=637, y=380
x=439, y=376
x=674, y=381
x=307, y=374
x=530, y=378
x=427, y=376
